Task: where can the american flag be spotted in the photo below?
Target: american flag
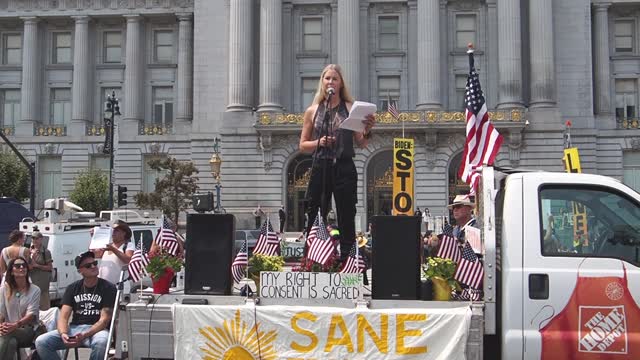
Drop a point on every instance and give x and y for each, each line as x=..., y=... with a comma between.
x=472, y=235
x=469, y=294
x=391, y=108
x=166, y=237
x=240, y=263
x=320, y=246
x=355, y=262
x=268, y=242
x=448, y=245
x=469, y=271
x=483, y=140
x=138, y=264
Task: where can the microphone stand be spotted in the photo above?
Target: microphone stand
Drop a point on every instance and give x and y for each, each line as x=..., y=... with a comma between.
x=324, y=131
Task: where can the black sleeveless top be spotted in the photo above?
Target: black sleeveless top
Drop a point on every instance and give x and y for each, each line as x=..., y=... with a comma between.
x=343, y=148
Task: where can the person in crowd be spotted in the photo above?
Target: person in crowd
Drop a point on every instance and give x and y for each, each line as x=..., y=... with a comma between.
x=258, y=214
x=14, y=250
x=117, y=254
x=19, y=303
x=282, y=215
x=333, y=151
x=418, y=213
x=90, y=300
x=426, y=217
x=40, y=268
x=462, y=206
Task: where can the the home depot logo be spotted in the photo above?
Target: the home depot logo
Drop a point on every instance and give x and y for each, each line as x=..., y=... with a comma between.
x=603, y=329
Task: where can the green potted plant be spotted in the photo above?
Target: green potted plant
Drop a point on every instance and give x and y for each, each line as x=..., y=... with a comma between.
x=440, y=272
x=161, y=268
x=259, y=262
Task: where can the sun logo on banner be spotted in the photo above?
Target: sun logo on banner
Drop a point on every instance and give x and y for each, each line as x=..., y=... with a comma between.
x=235, y=340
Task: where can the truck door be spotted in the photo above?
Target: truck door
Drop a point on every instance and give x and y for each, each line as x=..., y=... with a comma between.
x=581, y=272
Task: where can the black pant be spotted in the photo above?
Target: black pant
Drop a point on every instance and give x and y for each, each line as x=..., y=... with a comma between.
x=282, y=225
x=258, y=222
x=341, y=181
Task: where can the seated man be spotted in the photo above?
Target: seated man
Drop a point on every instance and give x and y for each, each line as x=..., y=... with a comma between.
x=91, y=302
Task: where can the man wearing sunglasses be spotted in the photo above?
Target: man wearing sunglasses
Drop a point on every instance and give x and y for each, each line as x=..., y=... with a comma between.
x=462, y=207
x=91, y=302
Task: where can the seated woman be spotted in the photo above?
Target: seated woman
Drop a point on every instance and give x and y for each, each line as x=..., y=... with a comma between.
x=19, y=308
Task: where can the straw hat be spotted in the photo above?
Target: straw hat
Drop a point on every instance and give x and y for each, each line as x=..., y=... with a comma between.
x=362, y=240
x=462, y=200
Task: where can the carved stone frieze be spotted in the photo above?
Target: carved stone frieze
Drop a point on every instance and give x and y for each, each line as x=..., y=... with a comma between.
x=430, y=146
x=52, y=5
x=515, y=145
x=266, y=146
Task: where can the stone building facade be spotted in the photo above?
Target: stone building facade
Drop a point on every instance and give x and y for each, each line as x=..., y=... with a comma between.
x=190, y=71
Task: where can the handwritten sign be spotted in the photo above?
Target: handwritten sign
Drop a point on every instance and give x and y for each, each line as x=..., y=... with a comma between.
x=292, y=251
x=309, y=285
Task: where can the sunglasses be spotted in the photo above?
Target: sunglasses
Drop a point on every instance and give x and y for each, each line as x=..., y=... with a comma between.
x=20, y=266
x=90, y=265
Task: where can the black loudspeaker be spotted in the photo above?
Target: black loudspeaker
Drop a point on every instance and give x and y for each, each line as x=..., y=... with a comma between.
x=202, y=202
x=396, y=257
x=209, y=252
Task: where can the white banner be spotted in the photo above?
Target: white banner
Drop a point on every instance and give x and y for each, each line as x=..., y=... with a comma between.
x=296, y=332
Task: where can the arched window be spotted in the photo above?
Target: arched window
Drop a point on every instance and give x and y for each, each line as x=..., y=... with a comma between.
x=298, y=174
x=380, y=184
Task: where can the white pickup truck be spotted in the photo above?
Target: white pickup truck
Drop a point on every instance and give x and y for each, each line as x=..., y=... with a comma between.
x=562, y=278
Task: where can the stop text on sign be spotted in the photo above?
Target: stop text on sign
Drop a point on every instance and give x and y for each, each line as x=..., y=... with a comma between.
x=403, y=200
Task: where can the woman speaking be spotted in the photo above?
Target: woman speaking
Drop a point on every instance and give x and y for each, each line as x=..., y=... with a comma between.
x=333, y=170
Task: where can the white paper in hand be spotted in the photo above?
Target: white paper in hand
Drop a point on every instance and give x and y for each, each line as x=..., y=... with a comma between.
x=101, y=237
x=359, y=111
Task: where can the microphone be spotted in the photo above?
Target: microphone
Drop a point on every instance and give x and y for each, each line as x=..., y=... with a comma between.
x=331, y=91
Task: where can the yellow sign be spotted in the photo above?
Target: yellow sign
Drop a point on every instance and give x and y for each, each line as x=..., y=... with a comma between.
x=572, y=160
x=403, y=151
x=580, y=228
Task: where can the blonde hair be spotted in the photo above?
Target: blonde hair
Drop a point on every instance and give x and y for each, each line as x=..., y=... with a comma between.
x=321, y=92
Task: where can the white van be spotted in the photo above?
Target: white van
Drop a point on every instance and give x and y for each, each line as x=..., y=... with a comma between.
x=65, y=239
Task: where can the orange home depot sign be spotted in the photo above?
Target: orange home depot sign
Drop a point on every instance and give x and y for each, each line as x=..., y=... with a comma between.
x=296, y=332
x=403, y=164
x=580, y=228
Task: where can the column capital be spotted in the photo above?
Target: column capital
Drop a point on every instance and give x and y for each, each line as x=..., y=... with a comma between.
x=601, y=6
x=133, y=18
x=184, y=16
x=30, y=19
x=81, y=19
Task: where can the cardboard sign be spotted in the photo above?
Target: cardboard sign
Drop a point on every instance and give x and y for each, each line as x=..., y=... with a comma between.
x=309, y=285
x=403, y=201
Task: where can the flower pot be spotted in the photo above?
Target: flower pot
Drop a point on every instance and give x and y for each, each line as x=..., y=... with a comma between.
x=161, y=285
x=441, y=289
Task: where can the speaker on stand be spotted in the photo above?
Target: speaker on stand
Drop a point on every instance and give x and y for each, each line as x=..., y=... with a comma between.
x=209, y=253
x=395, y=261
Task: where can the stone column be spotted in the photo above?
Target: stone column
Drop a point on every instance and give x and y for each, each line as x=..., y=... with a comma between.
x=509, y=54
x=240, y=55
x=349, y=43
x=81, y=98
x=543, y=82
x=184, y=109
x=270, y=55
x=30, y=78
x=133, y=76
x=601, y=58
x=429, y=55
